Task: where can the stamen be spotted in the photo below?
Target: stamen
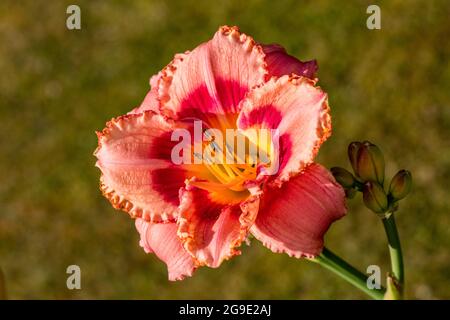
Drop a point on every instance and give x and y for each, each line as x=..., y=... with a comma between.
x=231, y=176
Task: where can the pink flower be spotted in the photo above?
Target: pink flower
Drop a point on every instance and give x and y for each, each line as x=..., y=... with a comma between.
x=192, y=215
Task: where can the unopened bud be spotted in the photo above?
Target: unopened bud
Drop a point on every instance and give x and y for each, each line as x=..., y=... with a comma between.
x=400, y=185
x=370, y=163
x=343, y=177
x=393, y=289
x=353, y=153
x=375, y=198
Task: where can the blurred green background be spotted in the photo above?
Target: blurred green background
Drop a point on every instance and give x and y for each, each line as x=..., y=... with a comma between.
x=390, y=86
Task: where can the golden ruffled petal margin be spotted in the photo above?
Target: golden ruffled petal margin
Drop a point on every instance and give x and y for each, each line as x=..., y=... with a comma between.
x=249, y=44
x=165, y=81
x=123, y=125
x=118, y=202
x=249, y=210
x=233, y=35
x=323, y=128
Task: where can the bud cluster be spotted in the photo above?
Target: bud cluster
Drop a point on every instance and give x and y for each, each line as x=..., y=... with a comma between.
x=368, y=165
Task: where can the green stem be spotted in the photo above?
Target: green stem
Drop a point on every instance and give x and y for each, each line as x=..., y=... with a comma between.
x=395, y=250
x=332, y=262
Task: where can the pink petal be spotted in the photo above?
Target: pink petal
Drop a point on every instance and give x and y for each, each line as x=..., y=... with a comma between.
x=299, y=111
x=151, y=101
x=280, y=63
x=214, y=77
x=161, y=239
x=137, y=173
x=294, y=218
x=212, y=231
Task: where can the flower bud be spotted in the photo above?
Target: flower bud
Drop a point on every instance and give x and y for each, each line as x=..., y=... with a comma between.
x=393, y=289
x=353, y=153
x=374, y=197
x=370, y=163
x=400, y=185
x=343, y=177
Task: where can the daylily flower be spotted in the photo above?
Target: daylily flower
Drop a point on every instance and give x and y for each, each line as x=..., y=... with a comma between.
x=193, y=215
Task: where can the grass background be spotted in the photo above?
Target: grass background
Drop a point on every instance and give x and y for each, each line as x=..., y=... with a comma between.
x=390, y=86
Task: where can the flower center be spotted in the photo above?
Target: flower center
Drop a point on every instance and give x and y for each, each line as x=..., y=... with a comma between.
x=230, y=167
x=223, y=160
